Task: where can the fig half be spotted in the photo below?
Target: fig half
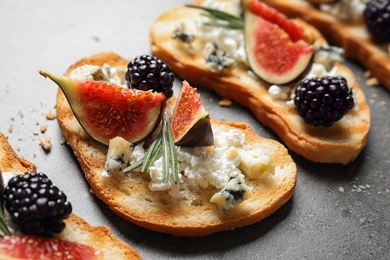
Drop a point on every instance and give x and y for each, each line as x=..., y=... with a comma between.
x=190, y=121
x=106, y=110
x=275, y=45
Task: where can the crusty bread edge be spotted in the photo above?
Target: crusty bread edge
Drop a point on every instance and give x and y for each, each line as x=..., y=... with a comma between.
x=10, y=161
x=98, y=237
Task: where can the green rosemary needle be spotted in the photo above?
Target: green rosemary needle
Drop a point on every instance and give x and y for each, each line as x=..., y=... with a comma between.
x=165, y=152
x=152, y=156
x=172, y=152
x=148, y=159
x=220, y=18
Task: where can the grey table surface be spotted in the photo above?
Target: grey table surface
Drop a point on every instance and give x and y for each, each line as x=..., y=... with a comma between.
x=337, y=212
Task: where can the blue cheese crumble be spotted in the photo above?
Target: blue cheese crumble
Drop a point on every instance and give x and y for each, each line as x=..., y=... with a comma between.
x=118, y=155
x=104, y=73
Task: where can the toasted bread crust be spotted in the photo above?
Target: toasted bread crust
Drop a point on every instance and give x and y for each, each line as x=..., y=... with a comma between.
x=10, y=161
x=130, y=197
x=77, y=229
x=340, y=143
x=354, y=38
x=98, y=237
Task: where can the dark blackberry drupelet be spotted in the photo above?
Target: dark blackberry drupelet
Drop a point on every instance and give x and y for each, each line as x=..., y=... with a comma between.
x=323, y=101
x=377, y=18
x=35, y=205
x=149, y=72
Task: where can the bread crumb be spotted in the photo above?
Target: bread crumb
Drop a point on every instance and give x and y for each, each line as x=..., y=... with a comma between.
x=360, y=188
x=225, y=103
x=63, y=141
x=43, y=128
x=45, y=142
x=18, y=149
x=372, y=82
x=10, y=128
x=367, y=74
x=51, y=115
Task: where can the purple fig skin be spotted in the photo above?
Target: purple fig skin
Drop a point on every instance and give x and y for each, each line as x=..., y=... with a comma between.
x=201, y=134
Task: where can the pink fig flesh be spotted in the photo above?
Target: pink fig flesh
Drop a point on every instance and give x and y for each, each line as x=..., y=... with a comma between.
x=190, y=121
x=275, y=47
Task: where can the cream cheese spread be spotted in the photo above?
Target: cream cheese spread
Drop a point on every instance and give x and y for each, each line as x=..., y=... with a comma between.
x=346, y=10
x=232, y=158
x=225, y=168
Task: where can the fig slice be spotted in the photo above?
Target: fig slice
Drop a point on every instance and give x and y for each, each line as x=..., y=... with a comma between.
x=33, y=247
x=275, y=46
x=106, y=110
x=190, y=122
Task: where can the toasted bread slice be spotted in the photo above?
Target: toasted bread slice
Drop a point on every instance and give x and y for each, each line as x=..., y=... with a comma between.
x=77, y=229
x=129, y=196
x=340, y=143
x=353, y=37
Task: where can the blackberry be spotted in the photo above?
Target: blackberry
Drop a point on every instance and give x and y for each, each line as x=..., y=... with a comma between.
x=377, y=19
x=35, y=205
x=149, y=72
x=323, y=101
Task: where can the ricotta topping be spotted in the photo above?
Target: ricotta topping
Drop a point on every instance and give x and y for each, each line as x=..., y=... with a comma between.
x=228, y=43
x=346, y=10
x=225, y=167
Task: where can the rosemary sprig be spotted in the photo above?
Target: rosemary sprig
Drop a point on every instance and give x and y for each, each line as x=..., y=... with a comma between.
x=220, y=18
x=3, y=224
x=147, y=160
x=172, y=152
x=152, y=153
x=165, y=142
x=165, y=154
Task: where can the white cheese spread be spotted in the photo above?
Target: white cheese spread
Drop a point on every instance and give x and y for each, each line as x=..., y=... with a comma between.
x=225, y=167
x=346, y=10
x=228, y=43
